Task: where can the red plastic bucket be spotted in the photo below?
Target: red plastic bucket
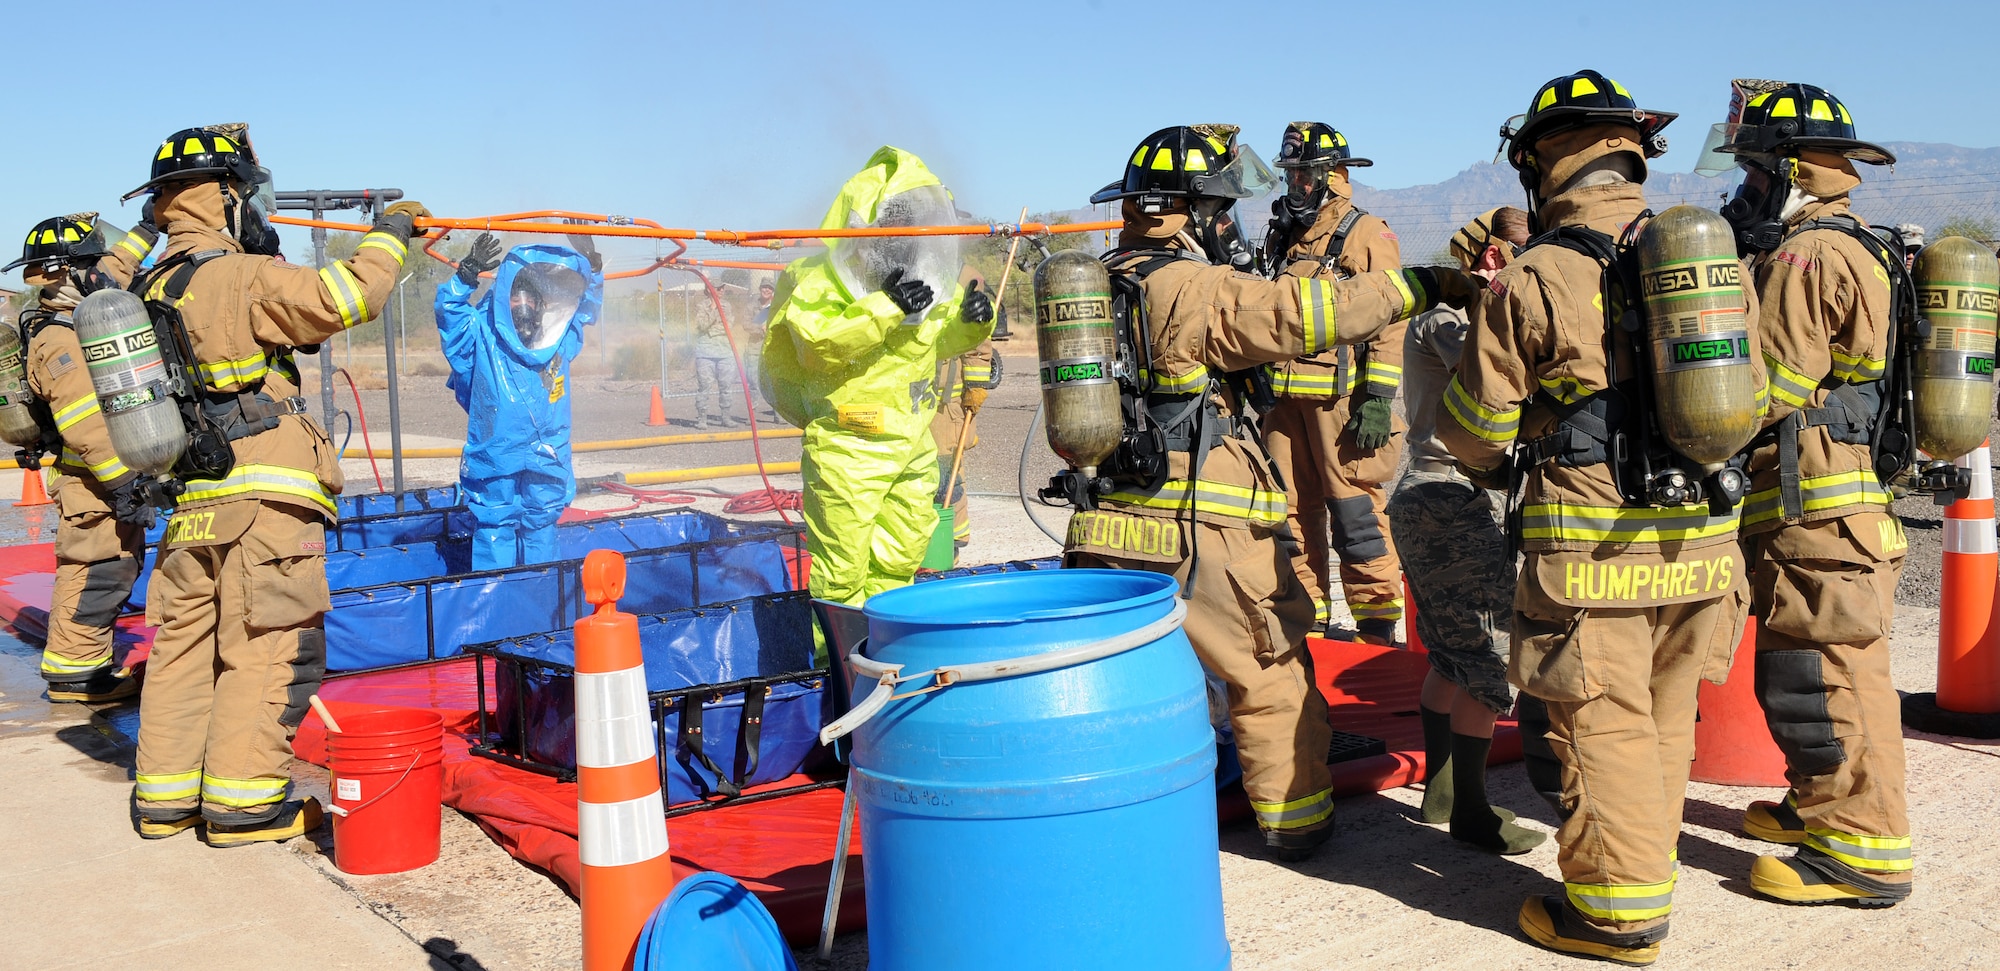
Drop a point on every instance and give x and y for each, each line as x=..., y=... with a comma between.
x=388, y=770
x=1732, y=743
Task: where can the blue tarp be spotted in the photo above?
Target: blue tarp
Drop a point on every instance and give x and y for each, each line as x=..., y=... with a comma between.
x=388, y=610
x=759, y=637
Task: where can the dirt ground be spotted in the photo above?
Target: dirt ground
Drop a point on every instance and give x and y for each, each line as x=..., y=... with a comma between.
x=1388, y=892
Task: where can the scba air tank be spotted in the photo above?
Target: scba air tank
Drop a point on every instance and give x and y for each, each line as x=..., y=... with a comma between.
x=1958, y=291
x=17, y=423
x=1078, y=342
x=1704, y=383
x=123, y=354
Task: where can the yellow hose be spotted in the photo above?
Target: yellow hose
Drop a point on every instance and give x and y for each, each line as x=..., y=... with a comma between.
x=611, y=445
x=661, y=476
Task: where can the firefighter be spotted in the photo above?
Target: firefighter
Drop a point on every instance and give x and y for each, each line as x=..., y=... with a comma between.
x=1615, y=660
x=965, y=382
x=240, y=588
x=101, y=538
x=1219, y=515
x=1333, y=433
x=1826, y=550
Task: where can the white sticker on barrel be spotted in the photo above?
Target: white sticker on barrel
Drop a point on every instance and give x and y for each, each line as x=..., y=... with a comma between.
x=614, y=725
x=621, y=833
x=1969, y=536
x=347, y=789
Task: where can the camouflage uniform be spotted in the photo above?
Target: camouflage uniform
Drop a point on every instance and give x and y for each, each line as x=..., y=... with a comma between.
x=1449, y=532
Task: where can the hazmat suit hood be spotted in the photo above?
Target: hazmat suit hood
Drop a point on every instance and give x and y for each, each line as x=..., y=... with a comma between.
x=895, y=188
x=542, y=297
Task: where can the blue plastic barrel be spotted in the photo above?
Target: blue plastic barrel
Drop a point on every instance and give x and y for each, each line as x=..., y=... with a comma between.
x=1056, y=820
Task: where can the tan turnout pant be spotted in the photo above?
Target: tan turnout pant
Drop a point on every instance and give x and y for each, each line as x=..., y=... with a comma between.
x=1247, y=619
x=97, y=561
x=239, y=651
x=1336, y=498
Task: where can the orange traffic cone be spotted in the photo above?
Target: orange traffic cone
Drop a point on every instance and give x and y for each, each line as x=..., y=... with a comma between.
x=1732, y=741
x=33, y=492
x=621, y=819
x=658, y=415
x=1967, y=700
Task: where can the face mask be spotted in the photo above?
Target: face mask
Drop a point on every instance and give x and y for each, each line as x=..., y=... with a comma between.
x=248, y=222
x=1221, y=237
x=1754, y=213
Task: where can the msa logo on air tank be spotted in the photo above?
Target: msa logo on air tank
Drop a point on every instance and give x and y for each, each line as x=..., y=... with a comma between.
x=1976, y=301
x=1092, y=308
x=1982, y=366
x=1680, y=279
x=107, y=349
x=1066, y=373
x=1711, y=349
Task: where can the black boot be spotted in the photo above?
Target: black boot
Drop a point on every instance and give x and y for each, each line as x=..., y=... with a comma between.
x=1437, y=766
x=1473, y=820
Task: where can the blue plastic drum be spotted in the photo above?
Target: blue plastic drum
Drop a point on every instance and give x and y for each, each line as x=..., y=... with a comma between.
x=713, y=923
x=1059, y=819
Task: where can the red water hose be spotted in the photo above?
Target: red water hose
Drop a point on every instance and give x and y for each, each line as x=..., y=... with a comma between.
x=363, y=417
x=772, y=499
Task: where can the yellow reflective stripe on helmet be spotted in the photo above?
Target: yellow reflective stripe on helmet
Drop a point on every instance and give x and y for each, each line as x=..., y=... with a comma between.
x=1493, y=426
x=168, y=786
x=1890, y=853
x=53, y=663
x=1565, y=389
x=136, y=247
x=1622, y=901
x=1316, y=313
x=240, y=793
x=1854, y=369
x=1787, y=385
x=260, y=478
x=1295, y=814
x=1818, y=493
x=1188, y=383
x=1567, y=522
x=1392, y=610
x=347, y=296
x=1384, y=379
x=1401, y=282
x=246, y=371
x=1213, y=498
x=76, y=411
x=387, y=243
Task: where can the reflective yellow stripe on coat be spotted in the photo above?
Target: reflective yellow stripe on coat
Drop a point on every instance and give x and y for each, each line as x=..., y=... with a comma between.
x=1210, y=498
x=246, y=479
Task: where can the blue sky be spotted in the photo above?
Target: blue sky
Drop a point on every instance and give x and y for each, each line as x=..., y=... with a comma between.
x=748, y=115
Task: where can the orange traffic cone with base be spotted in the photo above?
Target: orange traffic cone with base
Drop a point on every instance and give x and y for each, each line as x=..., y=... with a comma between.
x=33, y=492
x=657, y=415
x=621, y=819
x=1967, y=700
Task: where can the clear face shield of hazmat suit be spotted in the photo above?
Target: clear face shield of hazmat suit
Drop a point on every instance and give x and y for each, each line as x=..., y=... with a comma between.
x=510, y=351
x=856, y=369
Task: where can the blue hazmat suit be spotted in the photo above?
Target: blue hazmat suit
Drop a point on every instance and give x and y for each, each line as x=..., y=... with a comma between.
x=510, y=353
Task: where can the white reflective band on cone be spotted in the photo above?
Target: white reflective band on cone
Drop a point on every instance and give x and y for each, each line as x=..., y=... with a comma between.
x=1969, y=536
x=1980, y=461
x=621, y=833
x=613, y=724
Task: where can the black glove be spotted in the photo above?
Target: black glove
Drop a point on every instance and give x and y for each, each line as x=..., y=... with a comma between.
x=146, y=219
x=484, y=255
x=1370, y=424
x=587, y=247
x=128, y=504
x=909, y=296
x=975, y=308
x=1446, y=285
